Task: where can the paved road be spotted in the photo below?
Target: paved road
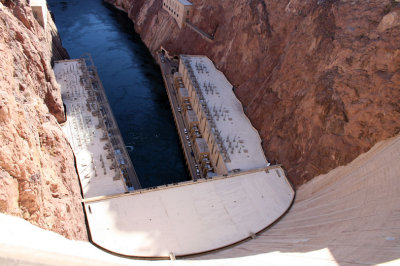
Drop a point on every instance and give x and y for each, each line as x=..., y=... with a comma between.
x=166, y=67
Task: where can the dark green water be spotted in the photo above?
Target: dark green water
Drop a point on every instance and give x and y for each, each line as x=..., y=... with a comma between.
x=133, y=84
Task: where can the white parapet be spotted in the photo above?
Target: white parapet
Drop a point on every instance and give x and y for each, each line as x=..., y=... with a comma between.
x=39, y=9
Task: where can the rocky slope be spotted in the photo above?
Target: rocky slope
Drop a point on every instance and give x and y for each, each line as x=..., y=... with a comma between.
x=38, y=180
x=319, y=79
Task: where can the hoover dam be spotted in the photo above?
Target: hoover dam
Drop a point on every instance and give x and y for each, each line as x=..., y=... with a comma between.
x=255, y=190
x=349, y=216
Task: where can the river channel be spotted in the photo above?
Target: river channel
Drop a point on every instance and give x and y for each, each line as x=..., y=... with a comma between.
x=133, y=85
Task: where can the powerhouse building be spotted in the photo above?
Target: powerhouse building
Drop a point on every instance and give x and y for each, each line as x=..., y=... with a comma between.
x=181, y=10
x=224, y=141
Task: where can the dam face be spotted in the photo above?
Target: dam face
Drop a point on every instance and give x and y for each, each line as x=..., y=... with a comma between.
x=133, y=84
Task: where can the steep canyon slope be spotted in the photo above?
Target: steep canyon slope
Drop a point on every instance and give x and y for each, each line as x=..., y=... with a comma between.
x=38, y=180
x=320, y=80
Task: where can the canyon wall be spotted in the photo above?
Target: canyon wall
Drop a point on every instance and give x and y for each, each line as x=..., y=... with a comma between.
x=38, y=180
x=319, y=79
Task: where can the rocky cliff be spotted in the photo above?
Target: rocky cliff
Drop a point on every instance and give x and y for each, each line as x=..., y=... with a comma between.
x=38, y=180
x=319, y=79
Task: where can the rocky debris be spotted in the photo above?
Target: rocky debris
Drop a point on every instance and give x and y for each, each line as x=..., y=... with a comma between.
x=38, y=180
x=320, y=80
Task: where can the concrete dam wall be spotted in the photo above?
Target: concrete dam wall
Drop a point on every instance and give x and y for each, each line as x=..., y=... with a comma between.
x=349, y=216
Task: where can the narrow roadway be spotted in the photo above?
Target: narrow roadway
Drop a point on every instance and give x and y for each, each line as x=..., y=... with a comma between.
x=166, y=66
x=116, y=137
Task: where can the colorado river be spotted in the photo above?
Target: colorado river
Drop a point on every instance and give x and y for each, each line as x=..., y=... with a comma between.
x=133, y=84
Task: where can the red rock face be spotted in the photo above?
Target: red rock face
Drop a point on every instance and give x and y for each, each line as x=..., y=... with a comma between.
x=320, y=80
x=38, y=180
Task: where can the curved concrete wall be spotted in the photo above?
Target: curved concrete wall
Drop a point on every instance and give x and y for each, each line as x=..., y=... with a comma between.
x=351, y=216
x=192, y=218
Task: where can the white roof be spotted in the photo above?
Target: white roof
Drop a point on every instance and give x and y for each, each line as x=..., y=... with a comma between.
x=192, y=218
x=233, y=125
x=183, y=92
x=185, y=2
x=80, y=130
x=43, y=6
x=191, y=116
x=202, y=145
x=42, y=3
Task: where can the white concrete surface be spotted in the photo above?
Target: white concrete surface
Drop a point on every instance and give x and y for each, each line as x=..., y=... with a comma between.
x=239, y=137
x=350, y=216
x=185, y=2
x=190, y=218
x=97, y=179
x=39, y=8
x=183, y=219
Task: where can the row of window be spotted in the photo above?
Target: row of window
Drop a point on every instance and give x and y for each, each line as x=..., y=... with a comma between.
x=172, y=11
x=202, y=120
x=202, y=117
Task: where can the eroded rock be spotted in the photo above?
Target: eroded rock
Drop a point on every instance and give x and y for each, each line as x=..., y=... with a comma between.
x=318, y=79
x=38, y=180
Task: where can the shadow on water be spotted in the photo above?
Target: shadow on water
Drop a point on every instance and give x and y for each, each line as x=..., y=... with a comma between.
x=133, y=83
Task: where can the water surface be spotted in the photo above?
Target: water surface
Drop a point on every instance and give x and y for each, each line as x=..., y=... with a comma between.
x=133, y=84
